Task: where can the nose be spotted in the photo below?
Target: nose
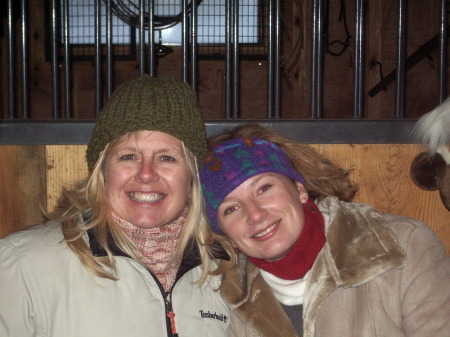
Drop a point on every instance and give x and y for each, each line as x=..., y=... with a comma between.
x=256, y=213
x=147, y=173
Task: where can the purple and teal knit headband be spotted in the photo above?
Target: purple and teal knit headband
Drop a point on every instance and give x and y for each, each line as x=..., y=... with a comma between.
x=231, y=163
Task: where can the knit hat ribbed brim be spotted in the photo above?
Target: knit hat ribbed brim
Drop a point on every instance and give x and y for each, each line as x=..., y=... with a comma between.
x=150, y=103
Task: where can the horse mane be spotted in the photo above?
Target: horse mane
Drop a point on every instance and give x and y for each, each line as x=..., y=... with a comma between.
x=433, y=129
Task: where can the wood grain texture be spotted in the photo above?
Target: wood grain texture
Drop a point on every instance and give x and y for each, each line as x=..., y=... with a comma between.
x=33, y=176
x=382, y=173
x=22, y=187
x=66, y=165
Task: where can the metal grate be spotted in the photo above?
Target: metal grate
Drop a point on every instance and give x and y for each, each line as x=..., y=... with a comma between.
x=252, y=29
x=17, y=97
x=211, y=27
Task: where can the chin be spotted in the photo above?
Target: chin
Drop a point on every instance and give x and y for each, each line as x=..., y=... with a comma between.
x=145, y=224
x=276, y=257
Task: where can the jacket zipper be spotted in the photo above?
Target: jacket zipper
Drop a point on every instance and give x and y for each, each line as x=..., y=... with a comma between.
x=170, y=314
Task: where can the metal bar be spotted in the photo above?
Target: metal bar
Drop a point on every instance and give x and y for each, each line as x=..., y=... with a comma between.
x=270, y=59
x=358, y=68
x=25, y=60
x=313, y=131
x=443, y=52
x=67, y=63
x=228, y=59
x=236, y=59
x=400, y=85
x=316, y=61
x=55, y=61
x=109, y=73
x=141, y=37
x=98, y=58
x=184, y=41
x=151, y=38
x=194, y=45
x=11, y=58
x=277, y=60
x=320, y=131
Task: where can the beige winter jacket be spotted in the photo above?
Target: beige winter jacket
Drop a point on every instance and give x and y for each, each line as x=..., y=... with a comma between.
x=377, y=275
x=45, y=291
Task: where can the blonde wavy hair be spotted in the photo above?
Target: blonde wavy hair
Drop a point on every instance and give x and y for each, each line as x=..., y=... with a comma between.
x=322, y=177
x=84, y=207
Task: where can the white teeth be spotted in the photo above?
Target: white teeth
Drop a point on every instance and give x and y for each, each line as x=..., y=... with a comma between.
x=268, y=230
x=146, y=197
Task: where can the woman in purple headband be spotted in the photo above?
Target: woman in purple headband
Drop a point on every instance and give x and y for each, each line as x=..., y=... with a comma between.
x=312, y=263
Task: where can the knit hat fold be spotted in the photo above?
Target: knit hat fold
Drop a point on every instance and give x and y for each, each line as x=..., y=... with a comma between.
x=150, y=103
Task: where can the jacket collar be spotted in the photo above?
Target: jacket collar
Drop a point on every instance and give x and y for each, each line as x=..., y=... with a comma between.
x=360, y=246
x=191, y=257
x=97, y=250
x=252, y=300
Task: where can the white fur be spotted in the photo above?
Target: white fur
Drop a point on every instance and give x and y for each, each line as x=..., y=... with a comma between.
x=444, y=151
x=433, y=129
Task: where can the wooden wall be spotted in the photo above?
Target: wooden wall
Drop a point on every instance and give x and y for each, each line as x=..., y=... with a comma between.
x=32, y=177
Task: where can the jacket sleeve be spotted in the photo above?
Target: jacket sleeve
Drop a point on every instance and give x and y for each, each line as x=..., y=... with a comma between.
x=425, y=285
x=17, y=314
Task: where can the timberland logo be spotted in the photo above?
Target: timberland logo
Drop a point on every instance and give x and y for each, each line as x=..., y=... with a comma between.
x=219, y=317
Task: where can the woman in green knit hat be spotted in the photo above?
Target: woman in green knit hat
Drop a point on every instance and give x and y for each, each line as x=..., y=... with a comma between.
x=130, y=252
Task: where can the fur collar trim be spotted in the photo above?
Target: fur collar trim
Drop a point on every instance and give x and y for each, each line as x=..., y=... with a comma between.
x=360, y=246
x=252, y=300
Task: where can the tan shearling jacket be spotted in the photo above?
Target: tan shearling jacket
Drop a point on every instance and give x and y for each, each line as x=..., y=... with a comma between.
x=377, y=276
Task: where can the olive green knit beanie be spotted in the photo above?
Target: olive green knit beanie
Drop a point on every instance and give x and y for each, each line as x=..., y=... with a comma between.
x=150, y=103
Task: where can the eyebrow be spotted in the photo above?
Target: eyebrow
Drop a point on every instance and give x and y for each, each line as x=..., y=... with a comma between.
x=127, y=147
x=262, y=176
x=253, y=183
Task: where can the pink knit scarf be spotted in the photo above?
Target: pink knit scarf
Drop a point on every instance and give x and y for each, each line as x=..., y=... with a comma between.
x=157, y=247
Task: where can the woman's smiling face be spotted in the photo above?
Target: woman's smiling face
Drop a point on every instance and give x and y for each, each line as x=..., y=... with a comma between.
x=264, y=215
x=147, y=179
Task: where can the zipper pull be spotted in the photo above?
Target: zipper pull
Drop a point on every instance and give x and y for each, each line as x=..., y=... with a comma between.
x=171, y=315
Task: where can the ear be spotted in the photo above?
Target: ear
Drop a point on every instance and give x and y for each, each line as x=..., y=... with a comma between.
x=444, y=187
x=304, y=196
x=423, y=171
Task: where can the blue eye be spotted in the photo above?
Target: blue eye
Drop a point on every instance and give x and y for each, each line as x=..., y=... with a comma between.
x=167, y=158
x=127, y=157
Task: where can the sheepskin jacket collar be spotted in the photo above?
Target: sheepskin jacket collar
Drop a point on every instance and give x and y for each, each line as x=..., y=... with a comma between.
x=359, y=247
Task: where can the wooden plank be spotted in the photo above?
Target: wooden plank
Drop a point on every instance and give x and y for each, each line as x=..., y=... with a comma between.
x=22, y=187
x=382, y=172
x=66, y=165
